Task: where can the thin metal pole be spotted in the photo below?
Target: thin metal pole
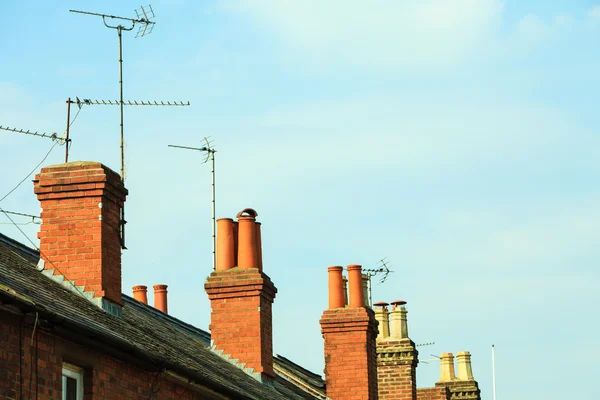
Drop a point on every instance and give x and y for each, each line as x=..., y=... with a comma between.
x=493, y=373
x=214, y=228
x=121, y=102
x=68, y=124
x=370, y=299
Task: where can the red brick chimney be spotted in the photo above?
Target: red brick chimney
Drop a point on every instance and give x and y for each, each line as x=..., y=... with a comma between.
x=241, y=296
x=349, y=333
x=397, y=356
x=79, y=238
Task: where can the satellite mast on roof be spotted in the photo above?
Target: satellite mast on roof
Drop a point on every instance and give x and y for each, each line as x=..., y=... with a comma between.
x=143, y=20
x=210, y=154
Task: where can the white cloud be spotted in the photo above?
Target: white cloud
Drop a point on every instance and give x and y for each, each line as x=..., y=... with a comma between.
x=533, y=29
x=594, y=13
x=379, y=34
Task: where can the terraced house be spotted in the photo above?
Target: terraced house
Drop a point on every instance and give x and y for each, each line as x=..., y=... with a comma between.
x=67, y=331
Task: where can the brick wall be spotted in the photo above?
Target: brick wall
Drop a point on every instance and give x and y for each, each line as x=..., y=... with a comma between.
x=81, y=204
x=396, y=369
x=436, y=393
x=241, y=316
x=33, y=369
x=350, y=354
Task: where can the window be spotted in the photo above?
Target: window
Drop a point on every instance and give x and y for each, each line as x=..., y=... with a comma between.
x=72, y=382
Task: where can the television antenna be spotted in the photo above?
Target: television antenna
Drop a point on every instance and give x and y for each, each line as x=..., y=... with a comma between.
x=382, y=268
x=144, y=16
x=88, y=102
x=34, y=218
x=209, y=151
x=53, y=136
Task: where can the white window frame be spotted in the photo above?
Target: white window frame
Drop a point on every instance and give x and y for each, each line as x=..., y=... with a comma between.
x=74, y=372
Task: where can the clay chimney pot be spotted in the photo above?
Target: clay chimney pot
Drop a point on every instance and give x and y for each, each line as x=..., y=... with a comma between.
x=140, y=293
x=381, y=304
x=447, y=373
x=225, y=244
x=357, y=296
x=247, y=239
x=160, y=298
x=336, y=287
x=397, y=303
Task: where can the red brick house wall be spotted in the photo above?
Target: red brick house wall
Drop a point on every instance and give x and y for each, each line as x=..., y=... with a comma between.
x=32, y=369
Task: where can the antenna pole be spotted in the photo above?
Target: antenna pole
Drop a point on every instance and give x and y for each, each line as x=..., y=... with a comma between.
x=370, y=289
x=214, y=228
x=121, y=101
x=493, y=373
x=68, y=123
x=210, y=153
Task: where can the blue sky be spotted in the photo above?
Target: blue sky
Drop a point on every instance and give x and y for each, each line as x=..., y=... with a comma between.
x=457, y=138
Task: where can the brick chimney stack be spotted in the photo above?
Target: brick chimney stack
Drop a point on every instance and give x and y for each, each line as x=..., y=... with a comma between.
x=397, y=357
x=350, y=333
x=463, y=386
x=241, y=296
x=81, y=206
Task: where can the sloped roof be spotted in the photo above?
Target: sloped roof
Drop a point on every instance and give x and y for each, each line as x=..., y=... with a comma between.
x=142, y=331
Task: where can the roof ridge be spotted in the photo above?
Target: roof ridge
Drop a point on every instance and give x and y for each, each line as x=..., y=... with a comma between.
x=18, y=245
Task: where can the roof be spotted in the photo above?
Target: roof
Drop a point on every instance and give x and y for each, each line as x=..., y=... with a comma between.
x=144, y=332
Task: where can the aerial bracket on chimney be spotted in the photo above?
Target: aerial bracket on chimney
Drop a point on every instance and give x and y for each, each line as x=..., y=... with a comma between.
x=122, y=223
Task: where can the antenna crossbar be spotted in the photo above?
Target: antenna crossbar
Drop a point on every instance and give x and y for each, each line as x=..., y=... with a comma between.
x=21, y=214
x=53, y=136
x=130, y=103
x=134, y=20
x=195, y=148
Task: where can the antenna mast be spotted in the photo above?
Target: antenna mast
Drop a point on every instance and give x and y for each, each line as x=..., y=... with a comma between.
x=210, y=154
x=493, y=373
x=144, y=15
x=382, y=269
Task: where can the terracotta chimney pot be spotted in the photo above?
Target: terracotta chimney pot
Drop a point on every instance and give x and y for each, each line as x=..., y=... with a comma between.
x=160, y=298
x=225, y=244
x=247, y=239
x=365, y=285
x=140, y=293
x=336, y=287
x=357, y=298
x=236, y=229
x=345, y=279
x=259, y=246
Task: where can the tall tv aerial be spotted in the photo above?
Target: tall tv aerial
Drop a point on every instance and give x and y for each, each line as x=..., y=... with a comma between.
x=382, y=268
x=209, y=151
x=89, y=102
x=144, y=16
